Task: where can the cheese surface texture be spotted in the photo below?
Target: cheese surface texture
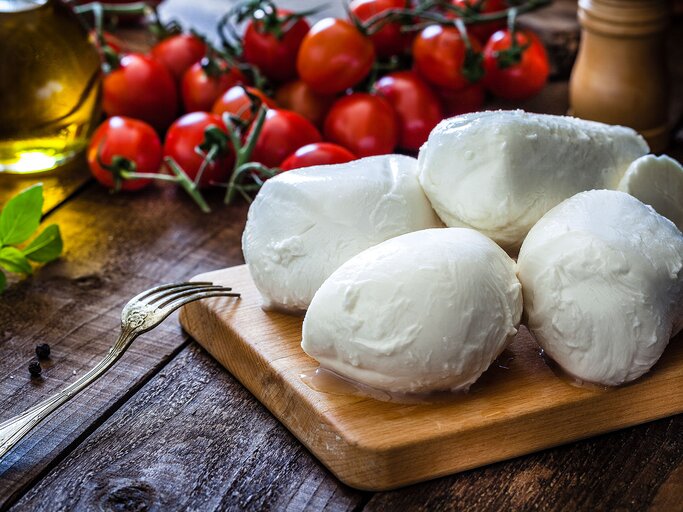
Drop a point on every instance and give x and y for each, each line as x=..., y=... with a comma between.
x=305, y=223
x=426, y=311
x=602, y=276
x=657, y=181
x=499, y=172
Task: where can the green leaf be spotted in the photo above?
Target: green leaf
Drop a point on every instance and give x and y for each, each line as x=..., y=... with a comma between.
x=45, y=247
x=11, y=259
x=3, y=282
x=21, y=215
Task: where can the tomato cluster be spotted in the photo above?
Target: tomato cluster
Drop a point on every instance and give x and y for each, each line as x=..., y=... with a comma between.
x=340, y=89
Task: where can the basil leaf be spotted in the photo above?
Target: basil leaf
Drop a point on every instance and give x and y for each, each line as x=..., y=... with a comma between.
x=21, y=215
x=11, y=259
x=3, y=282
x=45, y=247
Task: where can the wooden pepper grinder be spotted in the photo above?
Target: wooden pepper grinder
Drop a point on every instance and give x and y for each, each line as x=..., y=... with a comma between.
x=620, y=73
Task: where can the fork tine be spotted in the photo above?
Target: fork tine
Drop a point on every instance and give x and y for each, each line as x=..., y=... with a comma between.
x=178, y=289
x=183, y=299
x=152, y=291
x=186, y=293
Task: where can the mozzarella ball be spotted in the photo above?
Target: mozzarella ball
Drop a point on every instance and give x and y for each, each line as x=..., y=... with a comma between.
x=499, y=172
x=305, y=223
x=426, y=311
x=602, y=276
x=657, y=181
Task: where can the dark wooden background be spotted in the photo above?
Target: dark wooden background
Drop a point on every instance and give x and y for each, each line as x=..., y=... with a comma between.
x=168, y=429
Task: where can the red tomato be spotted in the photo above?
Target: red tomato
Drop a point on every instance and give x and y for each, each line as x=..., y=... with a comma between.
x=319, y=153
x=200, y=88
x=389, y=40
x=141, y=88
x=482, y=31
x=517, y=81
x=283, y=133
x=127, y=138
x=469, y=99
x=364, y=124
x=178, y=53
x=186, y=134
x=274, y=55
x=334, y=56
x=439, y=56
x=300, y=98
x=237, y=102
x=417, y=107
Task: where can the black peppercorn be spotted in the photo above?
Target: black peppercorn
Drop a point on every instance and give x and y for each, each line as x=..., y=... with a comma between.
x=34, y=369
x=43, y=351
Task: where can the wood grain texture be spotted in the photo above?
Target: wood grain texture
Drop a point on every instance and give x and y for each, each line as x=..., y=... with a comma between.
x=193, y=439
x=115, y=246
x=377, y=445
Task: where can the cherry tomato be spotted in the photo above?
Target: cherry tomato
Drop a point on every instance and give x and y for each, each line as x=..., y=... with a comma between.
x=518, y=81
x=141, y=88
x=186, y=134
x=439, y=56
x=237, y=102
x=417, y=107
x=110, y=40
x=178, y=53
x=283, y=133
x=128, y=138
x=469, y=99
x=274, y=55
x=389, y=40
x=364, y=124
x=202, y=85
x=300, y=98
x=318, y=153
x=482, y=31
x=334, y=56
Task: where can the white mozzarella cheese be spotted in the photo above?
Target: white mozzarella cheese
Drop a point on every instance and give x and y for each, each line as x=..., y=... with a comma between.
x=425, y=311
x=499, y=172
x=657, y=181
x=602, y=276
x=305, y=223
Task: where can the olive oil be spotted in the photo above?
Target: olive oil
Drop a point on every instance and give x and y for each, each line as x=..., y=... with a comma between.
x=49, y=85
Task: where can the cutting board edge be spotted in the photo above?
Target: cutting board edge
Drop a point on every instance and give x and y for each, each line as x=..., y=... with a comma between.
x=377, y=468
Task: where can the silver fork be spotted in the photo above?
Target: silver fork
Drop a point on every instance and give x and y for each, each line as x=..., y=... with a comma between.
x=142, y=313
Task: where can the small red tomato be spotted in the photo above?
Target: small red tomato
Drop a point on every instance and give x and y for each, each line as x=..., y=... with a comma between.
x=439, y=56
x=141, y=88
x=185, y=135
x=482, y=31
x=364, y=124
x=205, y=81
x=300, y=98
x=417, y=107
x=319, y=153
x=334, y=56
x=177, y=53
x=515, y=78
x=272, y=53
x=125, y=138
x=389, y=40
x=283, y=133
x=469, y=99
x=236, y=101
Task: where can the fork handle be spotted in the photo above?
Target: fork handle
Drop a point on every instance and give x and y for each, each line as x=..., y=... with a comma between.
x=15, y=429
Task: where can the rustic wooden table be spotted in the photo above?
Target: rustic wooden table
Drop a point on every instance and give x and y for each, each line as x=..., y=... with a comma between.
x=168, y=429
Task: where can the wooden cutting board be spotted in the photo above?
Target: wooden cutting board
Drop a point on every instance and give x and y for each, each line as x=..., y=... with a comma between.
x=375, y=445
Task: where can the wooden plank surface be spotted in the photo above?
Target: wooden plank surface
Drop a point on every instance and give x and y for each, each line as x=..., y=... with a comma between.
x=115, y=246
x=378, y=445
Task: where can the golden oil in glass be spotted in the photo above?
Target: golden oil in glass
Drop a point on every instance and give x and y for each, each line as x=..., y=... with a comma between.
x=50, y=85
